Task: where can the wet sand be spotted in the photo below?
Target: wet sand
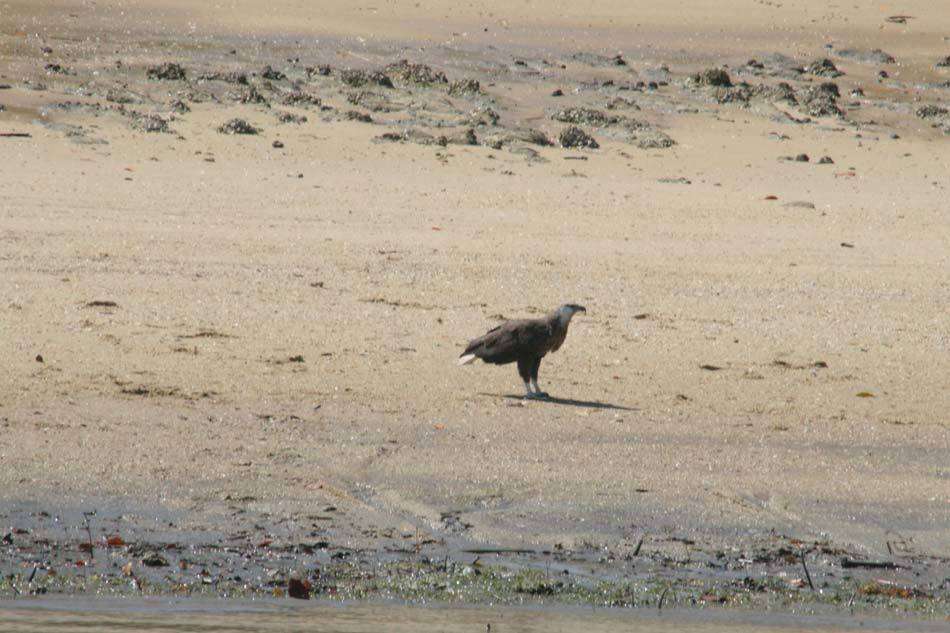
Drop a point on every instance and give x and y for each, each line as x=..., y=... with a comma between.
x=286, y=319
x=185, y=615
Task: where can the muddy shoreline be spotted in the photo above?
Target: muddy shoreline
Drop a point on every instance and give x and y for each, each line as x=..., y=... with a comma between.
x=130, y=551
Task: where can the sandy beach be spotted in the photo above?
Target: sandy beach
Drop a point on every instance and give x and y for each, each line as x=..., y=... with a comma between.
x=214, y=337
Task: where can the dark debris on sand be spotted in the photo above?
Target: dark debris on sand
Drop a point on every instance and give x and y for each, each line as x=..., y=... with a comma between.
x=585, y=116
x=356, y=115
x=712, y=77
x=267, y=72
x=823, y=68
x=931, y=111
x=300, y=99
x=575, y=137
x=148, y=122
x=465, y=87
x=358, y=78
x=237, y=126
x=168, y=71
x=290, y=117
x=821, y=100
x=230, y=76
x=420, y=74
x=876, y=56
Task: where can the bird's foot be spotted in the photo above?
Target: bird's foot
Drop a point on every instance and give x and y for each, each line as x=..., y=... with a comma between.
x=536, y=395
x=541, y=394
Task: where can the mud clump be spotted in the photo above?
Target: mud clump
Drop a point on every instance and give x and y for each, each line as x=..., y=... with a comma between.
x=57, y=69
x=593, y=59
x=355, y=115
x=290, y=117
x=115, y=95
x=712, y=77
x=412, y=136
x=148, y=123
x=483, y=116
x=270, y=73
x=465, y=137
x=654, y=139
x=618, y=103
x=575, y=137
x=300, y=99
x=231, y=77
x=371, y=101
x=358, y=78
x=323, y=70
x=154, y=559
x=585, y=116
x=168, y=71
x=179, y=107
x=465, y=87
x=876, y=56
x=820, y=100
x=743, y=93
x=421, y=74
x=250, y=95
x=823, y=68
x=516, y=137
x=931, y=111
x=237, y=126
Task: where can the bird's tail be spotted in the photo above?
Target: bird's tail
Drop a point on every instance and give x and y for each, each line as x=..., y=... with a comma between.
x=465, y=359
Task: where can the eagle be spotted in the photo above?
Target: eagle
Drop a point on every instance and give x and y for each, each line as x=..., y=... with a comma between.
x=525, y=341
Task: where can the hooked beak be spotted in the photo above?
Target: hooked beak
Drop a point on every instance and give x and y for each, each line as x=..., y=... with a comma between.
x=580, y=309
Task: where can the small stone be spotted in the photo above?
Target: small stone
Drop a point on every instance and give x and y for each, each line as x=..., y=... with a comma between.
x=557, y=93
x=802, y=158
x=825, y=160
x=39, y=358
x=277, y=144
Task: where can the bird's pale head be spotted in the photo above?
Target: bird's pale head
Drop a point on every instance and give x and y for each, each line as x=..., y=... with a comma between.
x=568, y=310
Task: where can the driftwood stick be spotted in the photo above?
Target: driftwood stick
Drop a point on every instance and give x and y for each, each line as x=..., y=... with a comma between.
x=849, y=563
x=636, y=550
x=801, y=554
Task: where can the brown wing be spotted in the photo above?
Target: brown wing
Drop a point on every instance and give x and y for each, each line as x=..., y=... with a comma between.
x=510, y=341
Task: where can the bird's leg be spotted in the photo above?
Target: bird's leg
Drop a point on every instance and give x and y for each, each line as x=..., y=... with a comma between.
x=534, y=379
x=524, y=370
x=537, y=390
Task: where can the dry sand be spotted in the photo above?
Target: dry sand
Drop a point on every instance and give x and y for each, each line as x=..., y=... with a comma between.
x=377, y=261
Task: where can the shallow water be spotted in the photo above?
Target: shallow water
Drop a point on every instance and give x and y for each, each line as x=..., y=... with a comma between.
x=161, y=615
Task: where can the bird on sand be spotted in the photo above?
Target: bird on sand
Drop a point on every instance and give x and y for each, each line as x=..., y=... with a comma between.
x=525, y=341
